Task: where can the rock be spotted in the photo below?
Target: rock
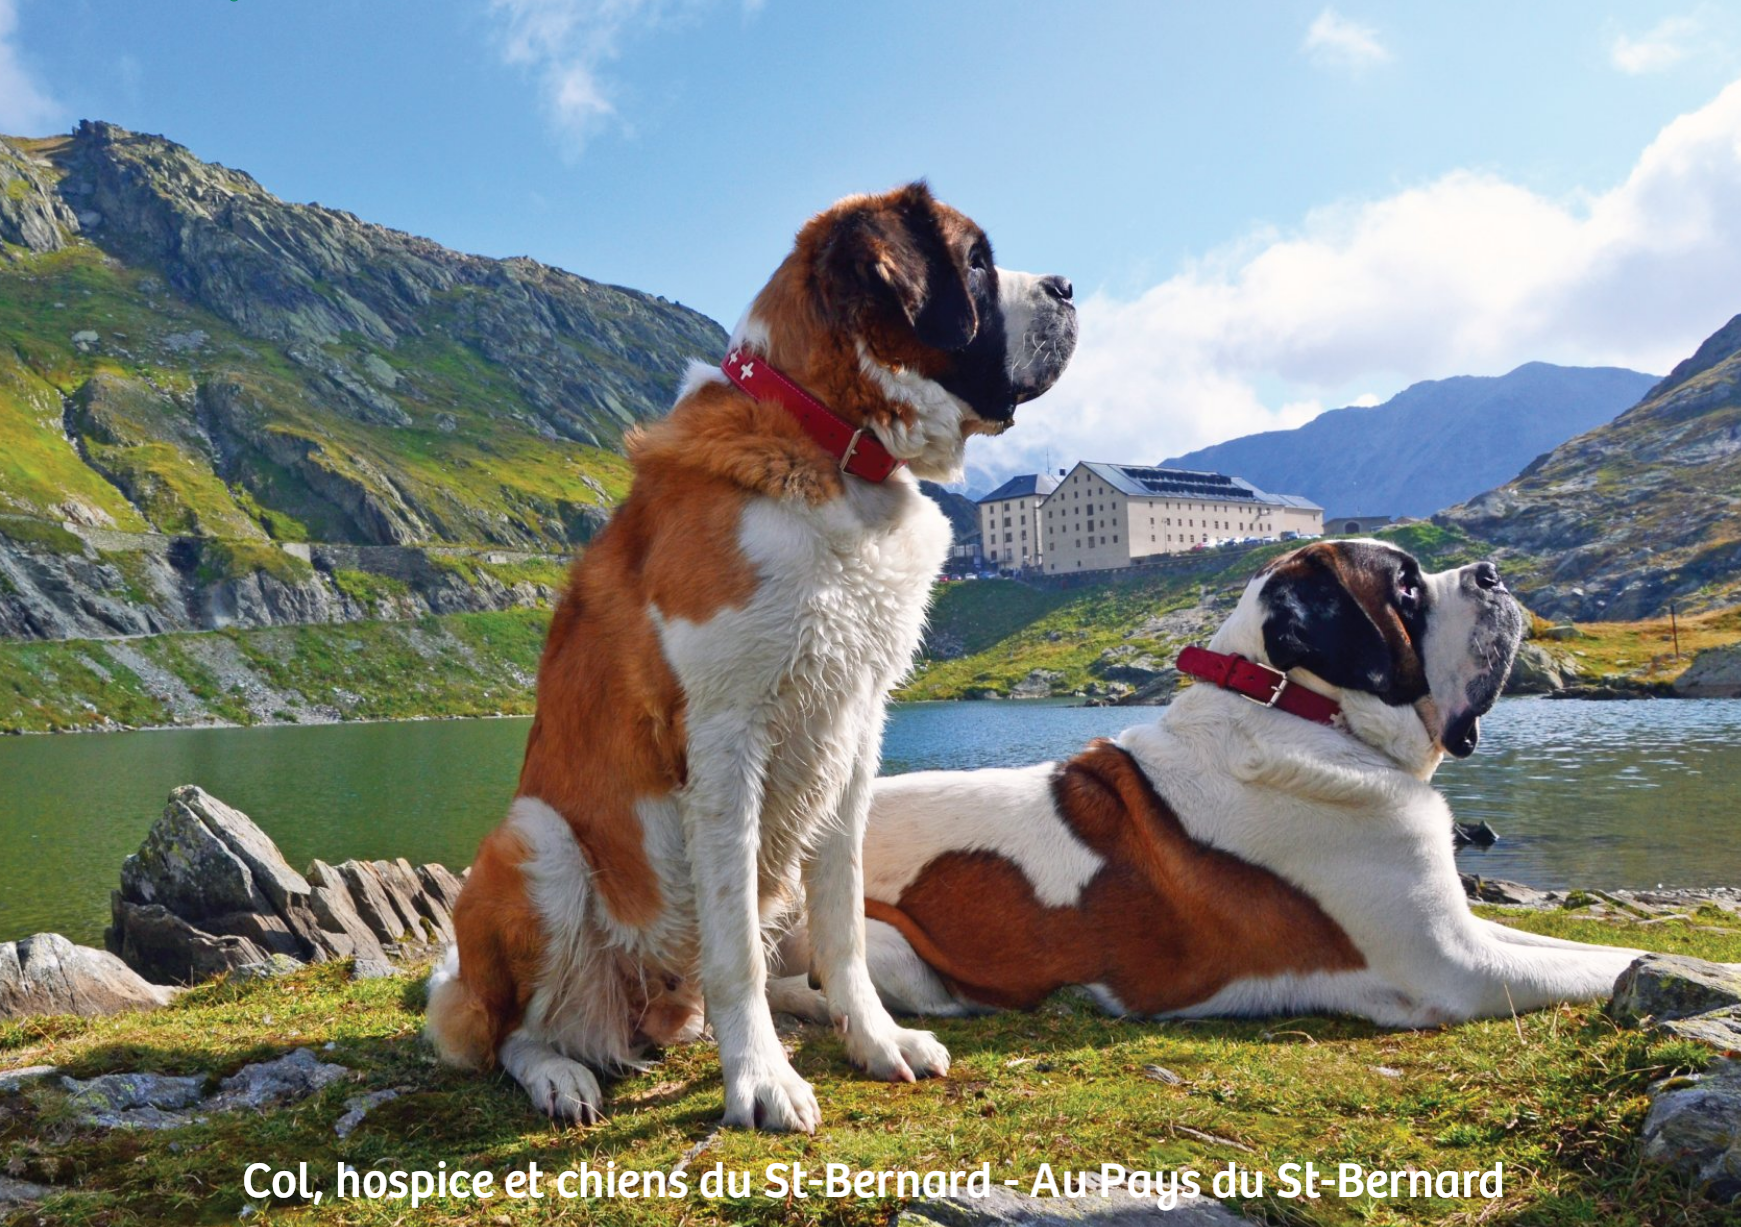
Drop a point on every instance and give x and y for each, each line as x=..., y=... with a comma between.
x=1473, y=834
x=359, y=1106
x=295, y=1075
x=1721, y=1029
x=15, y=1080
x=85, y=340
x=1714, y=674
x=1540, y=671
x=1004, y=1207
x=1039, y=684
x=1158, y=690
x=269, y=968
x=1561, y=633
x=16, y=1194
x=134, y=1101
x=346, y=931
x=372, y=901
x=1694, y=1126
x=157, y=943
x=372, y=969
x=47, y=974
x=208, y=892
x=1670, y=986
x=1496, y=890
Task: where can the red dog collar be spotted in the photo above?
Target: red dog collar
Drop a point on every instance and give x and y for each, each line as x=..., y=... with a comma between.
x=856, y=450
x=1261, y=684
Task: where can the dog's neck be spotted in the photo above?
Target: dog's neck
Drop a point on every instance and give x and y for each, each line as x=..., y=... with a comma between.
x=1398, y=733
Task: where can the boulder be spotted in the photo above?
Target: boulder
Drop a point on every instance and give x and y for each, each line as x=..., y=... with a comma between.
x=1721, y=1029
x=1714, y=674
x=1694, y=1126
x=17, y=1194
x=47, y=974
x=1537, y=670
x=209, y=893
x=1038, y=684
x=163, y=947
x=1157, y=691
x=1670, y=986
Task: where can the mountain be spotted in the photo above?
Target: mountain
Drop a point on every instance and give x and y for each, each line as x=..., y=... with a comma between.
x=215, y=405
x=962, y=512
x=1638, y=512
x=1432, y=444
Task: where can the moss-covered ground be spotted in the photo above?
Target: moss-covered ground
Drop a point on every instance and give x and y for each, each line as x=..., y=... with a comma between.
x=1557, y=1096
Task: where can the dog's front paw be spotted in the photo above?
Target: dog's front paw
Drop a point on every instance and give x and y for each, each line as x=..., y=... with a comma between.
x=771, y=1096
x=564, y=1090
x=897, y=1054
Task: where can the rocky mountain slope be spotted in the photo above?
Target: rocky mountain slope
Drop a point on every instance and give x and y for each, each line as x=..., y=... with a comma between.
x=1617, y=522
x=1432, y=444
x=215, y=404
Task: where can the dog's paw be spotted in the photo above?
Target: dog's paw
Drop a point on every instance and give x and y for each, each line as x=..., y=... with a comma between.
x=897, y=1054
x=773, y=1097
x=564, y=1090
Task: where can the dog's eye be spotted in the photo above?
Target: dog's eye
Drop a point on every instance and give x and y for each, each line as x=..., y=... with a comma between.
x=978, y=263
x=1408, y=594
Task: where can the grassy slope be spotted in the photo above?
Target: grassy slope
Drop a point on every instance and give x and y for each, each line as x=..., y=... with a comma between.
x=1004, y=629
x=1007, y=629
x=460, y=665
x=1558, y=1096
x=461, y=458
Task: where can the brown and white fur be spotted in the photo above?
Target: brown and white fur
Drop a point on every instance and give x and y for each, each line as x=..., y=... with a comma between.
x=1230, y=858
x=710, y=700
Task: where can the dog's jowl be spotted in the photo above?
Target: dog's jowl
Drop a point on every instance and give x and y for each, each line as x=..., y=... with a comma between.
x=710, y=700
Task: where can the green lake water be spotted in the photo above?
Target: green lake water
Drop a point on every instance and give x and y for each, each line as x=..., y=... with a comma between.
x=1599, y=795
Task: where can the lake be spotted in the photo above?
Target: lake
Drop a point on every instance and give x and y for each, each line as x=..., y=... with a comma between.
x=1598, y=795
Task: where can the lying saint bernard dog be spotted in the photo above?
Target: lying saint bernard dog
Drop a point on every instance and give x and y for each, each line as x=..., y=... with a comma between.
x=1270, y=845
x=710, y=700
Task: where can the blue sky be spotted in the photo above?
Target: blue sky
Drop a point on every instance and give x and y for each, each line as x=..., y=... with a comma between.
x=1268, y=208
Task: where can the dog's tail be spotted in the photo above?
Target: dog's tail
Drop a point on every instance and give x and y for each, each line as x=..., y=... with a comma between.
x=464, y=1031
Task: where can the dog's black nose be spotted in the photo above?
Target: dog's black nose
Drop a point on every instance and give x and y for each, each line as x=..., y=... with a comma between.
x=1058, y=287
x=1487, y=576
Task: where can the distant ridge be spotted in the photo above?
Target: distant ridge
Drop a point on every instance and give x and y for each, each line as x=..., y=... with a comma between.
x=1431, y=445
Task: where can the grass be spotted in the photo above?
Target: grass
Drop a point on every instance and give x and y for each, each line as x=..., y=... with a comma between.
x=1557, y=1096
x=988, y=635
x=1644, y=651
x=457, y=665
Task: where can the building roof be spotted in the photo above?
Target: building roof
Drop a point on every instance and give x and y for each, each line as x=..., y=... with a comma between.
x=1152, y=481
x=1025, y=485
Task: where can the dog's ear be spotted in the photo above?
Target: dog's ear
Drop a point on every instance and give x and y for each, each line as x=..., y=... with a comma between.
x=890, y=253
x=1313, y=620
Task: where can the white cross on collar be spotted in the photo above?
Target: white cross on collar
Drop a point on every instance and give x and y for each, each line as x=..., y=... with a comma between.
x=747, y=370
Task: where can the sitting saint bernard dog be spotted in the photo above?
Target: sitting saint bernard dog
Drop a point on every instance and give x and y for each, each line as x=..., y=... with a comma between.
x=1269, y=845
x=710, y=700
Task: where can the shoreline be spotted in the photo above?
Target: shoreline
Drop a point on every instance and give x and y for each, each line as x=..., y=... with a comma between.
x=1052, y=700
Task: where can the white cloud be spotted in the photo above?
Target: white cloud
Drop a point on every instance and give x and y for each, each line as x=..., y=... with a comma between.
x=1664, y=46
x=570, y=43
x=25, y=109
x=1468, y=274
x=1333, y=41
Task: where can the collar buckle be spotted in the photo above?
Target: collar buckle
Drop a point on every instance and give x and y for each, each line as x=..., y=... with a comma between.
x=1279, y=683
x=851, y=448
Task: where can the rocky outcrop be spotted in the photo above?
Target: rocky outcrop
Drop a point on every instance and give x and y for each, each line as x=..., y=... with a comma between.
x=1540, y=670
x=85, y=582
x=1686, y=997
x=168, y=1101
x=47, y=974
x=208, y=893
x=1714, y=674
x=1694, y=1127
x=1620, y=521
